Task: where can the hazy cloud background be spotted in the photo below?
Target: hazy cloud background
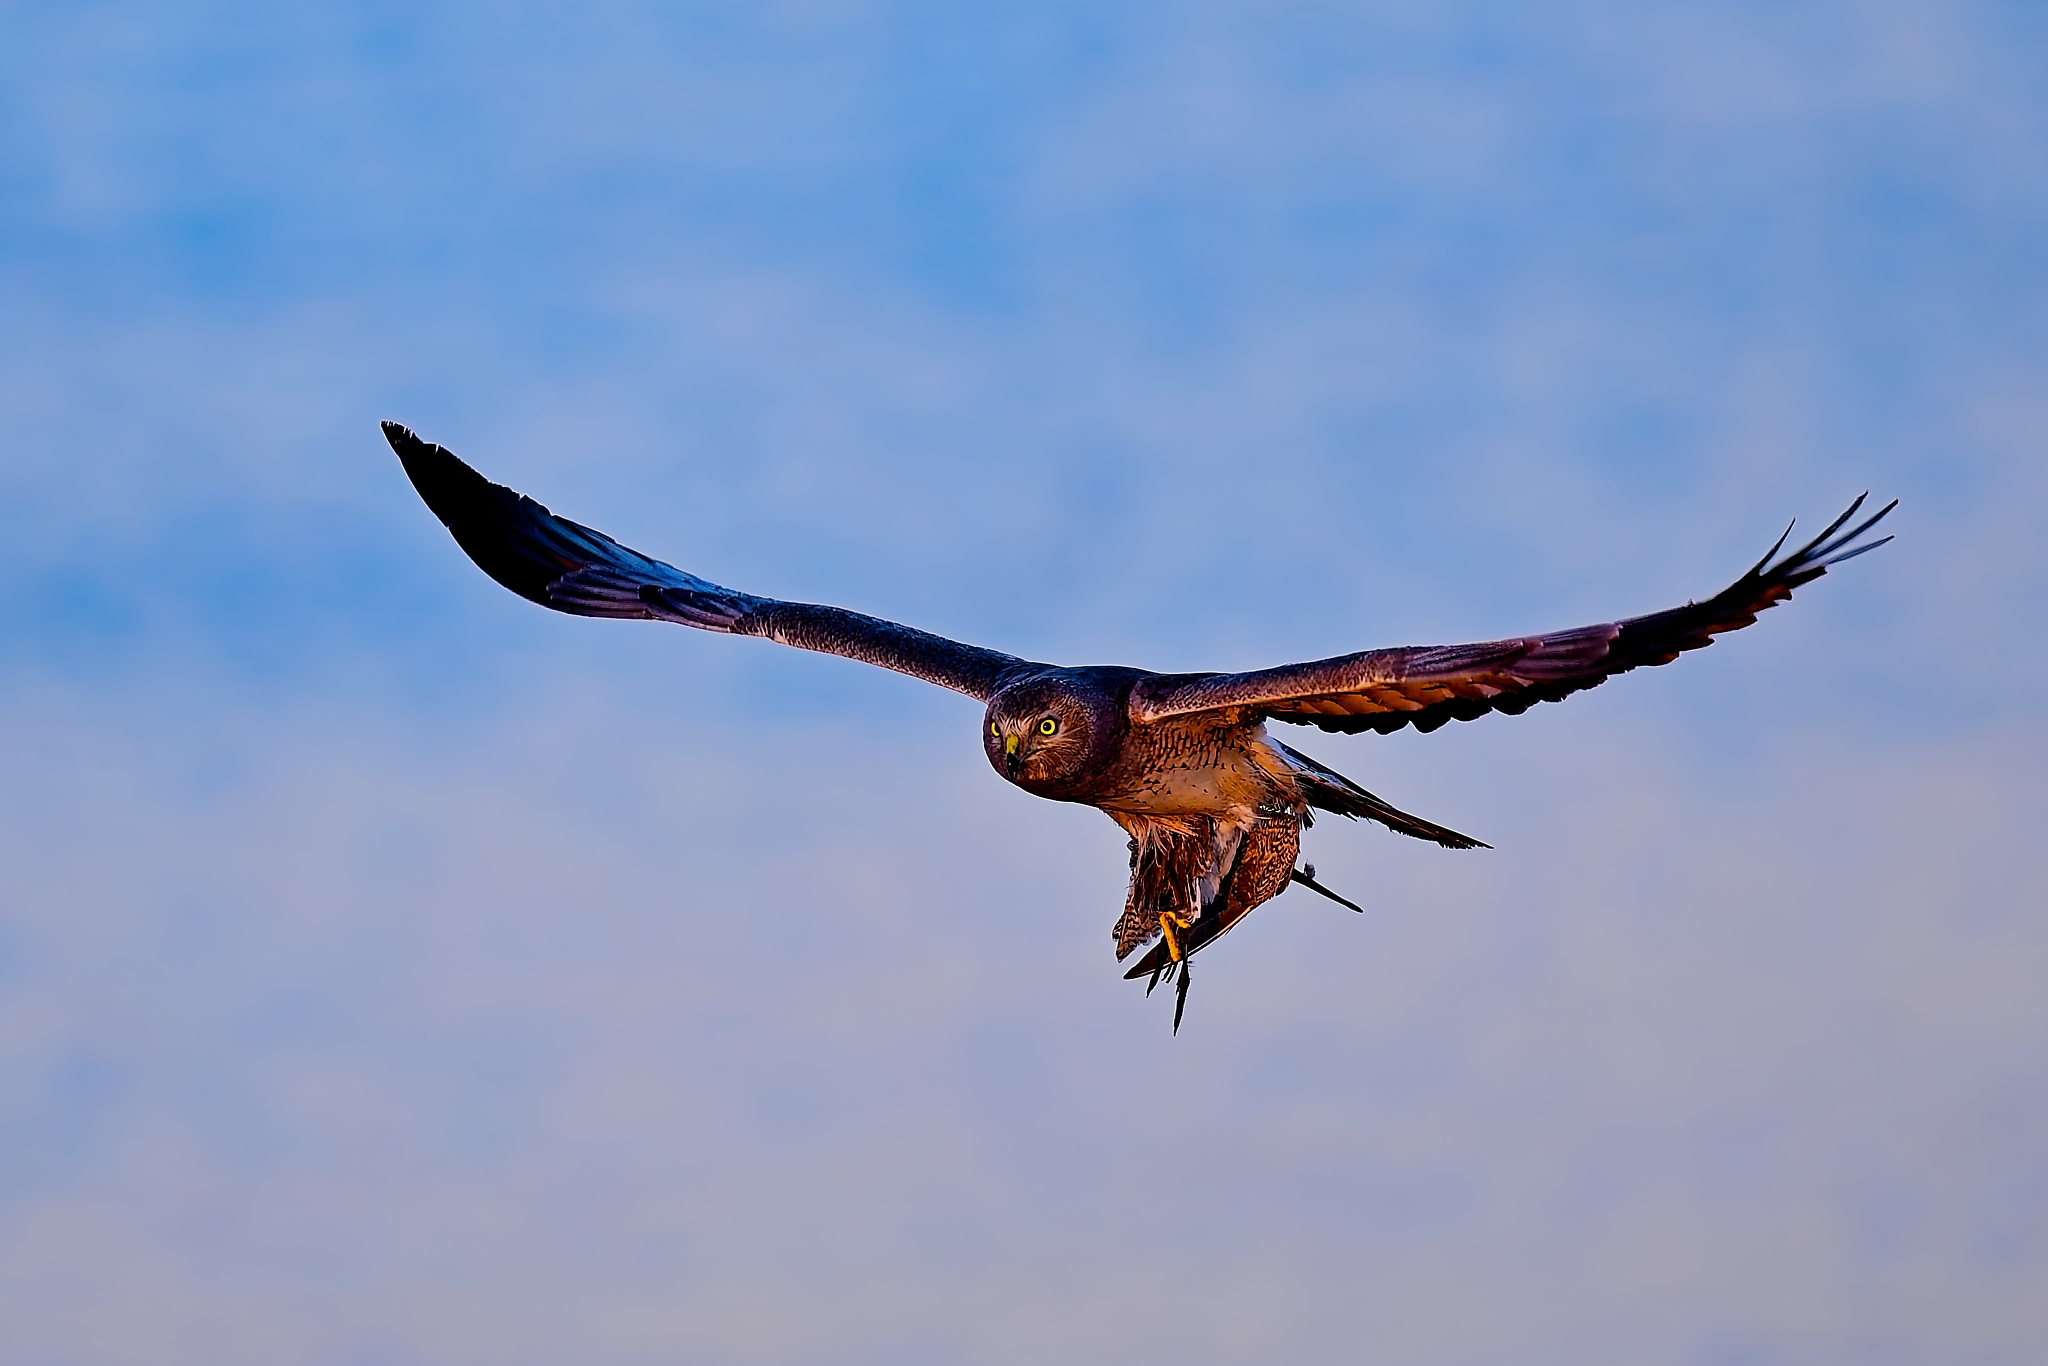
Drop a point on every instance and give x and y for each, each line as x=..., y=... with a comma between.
x=391, y=972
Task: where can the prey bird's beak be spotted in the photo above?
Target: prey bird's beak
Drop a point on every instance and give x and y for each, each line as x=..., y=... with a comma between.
x=1013, y=757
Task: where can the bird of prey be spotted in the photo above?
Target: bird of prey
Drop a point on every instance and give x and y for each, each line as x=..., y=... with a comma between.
x=1212, y=804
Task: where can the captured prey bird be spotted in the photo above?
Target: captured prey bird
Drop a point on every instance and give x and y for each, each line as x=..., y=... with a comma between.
x=1213, y=806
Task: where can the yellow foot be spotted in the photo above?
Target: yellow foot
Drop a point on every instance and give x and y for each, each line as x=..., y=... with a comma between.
x=1168, y=923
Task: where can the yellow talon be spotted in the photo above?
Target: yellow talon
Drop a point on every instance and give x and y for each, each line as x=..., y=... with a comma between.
x=1168, y=923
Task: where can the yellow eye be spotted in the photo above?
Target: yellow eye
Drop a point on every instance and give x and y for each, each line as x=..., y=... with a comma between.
x=1048, y=726
x=995, y=730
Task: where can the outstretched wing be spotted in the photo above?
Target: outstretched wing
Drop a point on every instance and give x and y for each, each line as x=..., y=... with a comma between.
x=1425, y=686
x=561, y=564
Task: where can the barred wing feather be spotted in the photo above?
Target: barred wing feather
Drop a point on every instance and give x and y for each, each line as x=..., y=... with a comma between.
x=1427, y=686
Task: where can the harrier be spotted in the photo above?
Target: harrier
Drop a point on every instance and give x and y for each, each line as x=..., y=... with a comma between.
x=1213, y=805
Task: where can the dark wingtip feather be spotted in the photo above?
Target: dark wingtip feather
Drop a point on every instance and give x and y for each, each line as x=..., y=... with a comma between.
x=451, y=489
x=1836, y=525
x=1758, y=568
x=1859, y=550
x=484, y=518
x=1816, y=555
x=1849, y=537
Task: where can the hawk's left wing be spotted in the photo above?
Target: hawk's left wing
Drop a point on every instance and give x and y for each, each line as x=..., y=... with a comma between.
x=571, y=568
x=1425, y=686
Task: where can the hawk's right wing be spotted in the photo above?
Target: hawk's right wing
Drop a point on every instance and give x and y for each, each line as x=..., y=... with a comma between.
x=571, y=568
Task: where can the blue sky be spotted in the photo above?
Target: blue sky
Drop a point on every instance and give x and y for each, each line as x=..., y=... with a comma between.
x=393, y=972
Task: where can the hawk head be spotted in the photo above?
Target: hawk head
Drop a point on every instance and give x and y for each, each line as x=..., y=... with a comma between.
x=1049, y=734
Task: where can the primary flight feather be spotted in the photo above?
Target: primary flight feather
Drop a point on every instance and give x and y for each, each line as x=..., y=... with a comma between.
x=1213, y=805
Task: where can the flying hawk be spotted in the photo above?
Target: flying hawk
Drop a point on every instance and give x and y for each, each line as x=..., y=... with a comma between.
x=1213, y=805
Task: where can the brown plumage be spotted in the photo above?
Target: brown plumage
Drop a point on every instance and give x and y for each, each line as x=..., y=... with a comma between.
x=1213, y=806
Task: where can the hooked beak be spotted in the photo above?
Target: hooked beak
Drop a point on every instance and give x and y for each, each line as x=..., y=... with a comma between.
x=1013, y=755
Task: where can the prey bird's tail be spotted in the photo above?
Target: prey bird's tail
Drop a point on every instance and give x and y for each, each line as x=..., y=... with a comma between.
x=1328, y=790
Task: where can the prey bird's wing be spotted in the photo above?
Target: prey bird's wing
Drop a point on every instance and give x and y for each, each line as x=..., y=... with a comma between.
x=571, y=568
x=1425, y=686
